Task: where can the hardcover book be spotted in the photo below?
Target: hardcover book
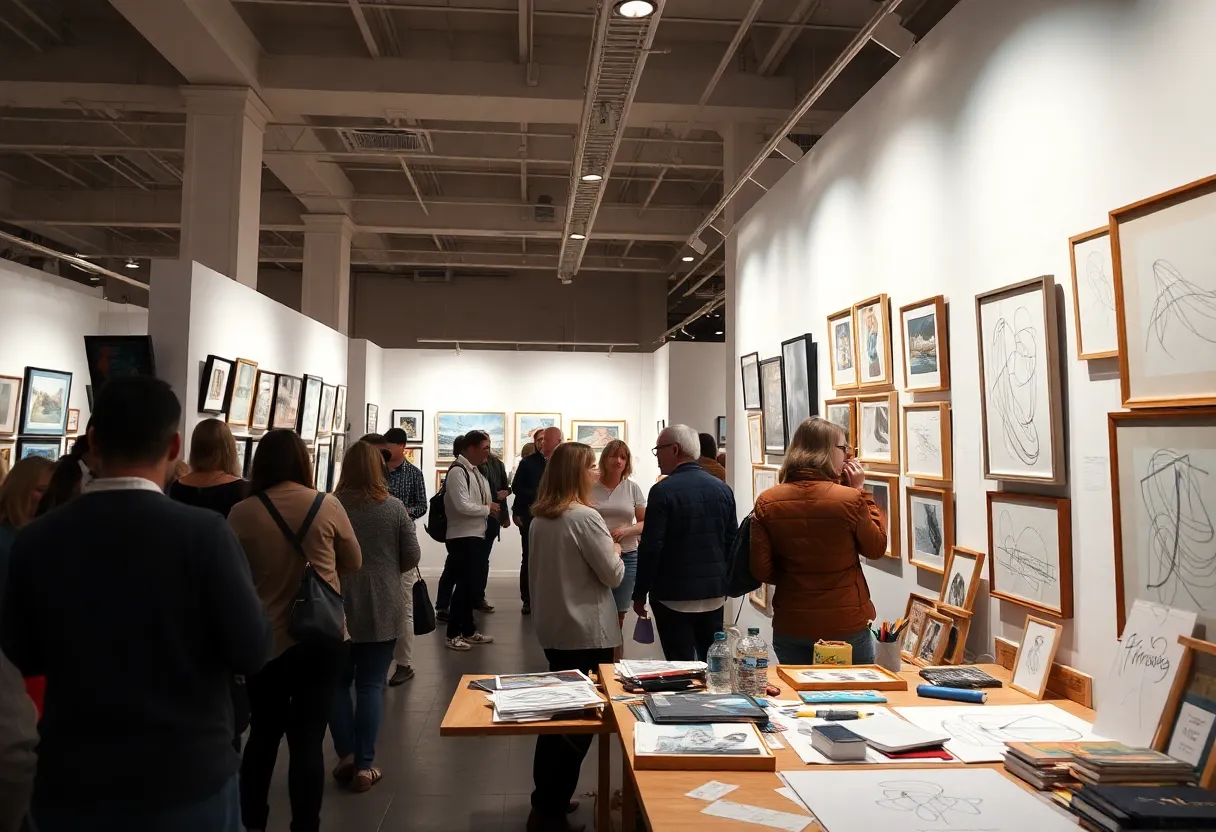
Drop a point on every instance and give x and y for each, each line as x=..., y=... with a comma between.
x=679, y=708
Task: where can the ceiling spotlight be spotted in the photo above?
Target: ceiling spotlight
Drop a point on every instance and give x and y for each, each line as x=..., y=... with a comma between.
x=577, y=235
x=592, y=177
x=635, y=9
x=131, y=264
x=688, y=258
x=719, y=332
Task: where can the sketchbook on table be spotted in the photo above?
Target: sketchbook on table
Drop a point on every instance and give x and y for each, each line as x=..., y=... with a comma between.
x=979, y=732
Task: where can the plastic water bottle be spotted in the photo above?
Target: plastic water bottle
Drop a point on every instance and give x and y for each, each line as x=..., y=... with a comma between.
x=717, y=674
x=753, y=664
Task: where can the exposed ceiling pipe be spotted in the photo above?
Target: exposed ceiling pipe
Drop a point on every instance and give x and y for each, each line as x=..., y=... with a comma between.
x=78, y=262
x=361, y=21
x=785, y=38
x=708, y=277
x=714, y=303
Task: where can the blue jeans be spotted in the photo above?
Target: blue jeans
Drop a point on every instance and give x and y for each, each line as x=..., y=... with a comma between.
x=354, y=726
x=219, y=813
x=792, y=650
x=623, y=594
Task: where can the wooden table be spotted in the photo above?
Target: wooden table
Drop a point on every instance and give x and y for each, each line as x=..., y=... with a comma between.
x=660, y=794
x=470, y=714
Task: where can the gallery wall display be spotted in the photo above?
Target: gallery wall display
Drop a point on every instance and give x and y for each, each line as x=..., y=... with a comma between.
x=1163, y=494
x=1022, y=423
x=1030, y=551
x=1032, y=664
x=872, y=325
x=918, y=607
x=720, y=423
x=116, y=356
x=961, y=579
x=1165, y=296
x=527, y=424
x=372, y=419
x=755, y=438
x=925, y=341
x=263, y=401
x=884, y=488
x=410, y=421
x=44, y=406
x=800, y=381
x=10, y=404
x=772, y=407
x=244, y=390
x=1188, y=723
x=930, y=526
x=927, y=442
x=597, y=432
x=449, y=425
x=214, y=385
x=325, y=420
x=878, y=428
x=843, y=349
x=749, y=365
x=45, y=448
x=1093, y=294
x=843, y=413
x=934, y=639
x=310, y=408
x=764, y=477
x=286, y=408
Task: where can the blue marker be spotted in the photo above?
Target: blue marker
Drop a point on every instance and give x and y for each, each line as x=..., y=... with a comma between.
x=978, y=697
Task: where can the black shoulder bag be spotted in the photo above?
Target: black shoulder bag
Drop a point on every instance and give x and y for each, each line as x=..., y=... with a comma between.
x=317, y=613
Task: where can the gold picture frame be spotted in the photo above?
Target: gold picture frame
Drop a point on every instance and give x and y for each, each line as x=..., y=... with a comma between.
x=1092, y=286
x=872, y=317
x=1034, y=658
x=961, y=579
x=755, y=437
x=921, y=442
x=925, y=343
x=934, y=639
x=600, y=432
x=832, y=411
x=869, y=429
x=842, y=357
x=937, y=529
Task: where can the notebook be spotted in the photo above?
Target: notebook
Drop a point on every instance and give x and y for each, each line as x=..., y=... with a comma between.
x=692, y=708
x=890, y=734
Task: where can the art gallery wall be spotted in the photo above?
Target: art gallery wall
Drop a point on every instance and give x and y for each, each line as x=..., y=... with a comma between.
x=697, y=388
x=1008, y=129
x=364, y=372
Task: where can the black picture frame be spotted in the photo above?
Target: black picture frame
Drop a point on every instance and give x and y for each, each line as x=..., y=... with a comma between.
x=799, y=364
x=307, y=426
x=749, y=367
x=720, y=428
x=118, y=356
x=29, y=390
x=204, y=382
x=773, y=412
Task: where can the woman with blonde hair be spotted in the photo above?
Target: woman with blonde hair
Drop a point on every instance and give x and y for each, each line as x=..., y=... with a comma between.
x=572, y=573
x=622, y=504
x=375, y=610
x=807, y=533
x=19, y=497
x=214, y=478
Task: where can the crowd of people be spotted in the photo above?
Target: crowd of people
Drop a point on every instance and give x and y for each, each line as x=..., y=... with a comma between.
x=183, y=624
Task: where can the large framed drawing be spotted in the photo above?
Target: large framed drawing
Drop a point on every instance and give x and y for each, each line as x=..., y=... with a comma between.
x=44, y=406
x=771, y=406
x=755, y=437
x=1164, y=255
x=1030, y=551
x=244, y=390
x=925, y=345
x=449, y=425
x=1163, y=489
x=263, y=401
x=962, y=579
x=1022, y=423
x=884, y=488
x=10, y=404
x=930, y=527
x=286, y=408
x=926, y=441
x=872, y=320
x=749, y=365
x=410, y=421
x=321, y=476
x=310, y=408
x=598, y=432
x=1093, y=294
x=878, y=428
x=843, y=414
x=799, y=381
x=526, y=424
x=843, y=349
x=215, y=385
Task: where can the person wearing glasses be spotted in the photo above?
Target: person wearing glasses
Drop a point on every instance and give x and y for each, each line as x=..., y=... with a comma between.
x=806, y=537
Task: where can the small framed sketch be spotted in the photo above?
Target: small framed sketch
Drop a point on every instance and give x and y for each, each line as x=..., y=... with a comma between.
x=843, y=350
x=310, y=409
x=73, y=420
x=373, y=418
x=962, y=579
x=762, y=599
x=755, y=437
x=918, y=607
x=843, y=414
x=338, y=454
x=410, y=421
x=215, y=385
x=10, y=404
x=926, y=435
x=1032, y=665
x=323, y=451
x=329, y=398
x=925, y=345
x=960, y=621
x=286, y=409
x=771, y=406
x=45, y=448
x=721, y=427
x=44, y=408
x=244, y=390
x=1030, y=551
x=934, y=639
x=872, y=320
x=263, y=401
x=930, y=527
x=1093, y=294
x=878, y=428
x=440, y=476
x=764, y=477
x=1188, y=723
x=413, y=456
x=749, y=365
x=339, y=417
x=800, y=380
x=884, y=488
x=596, y=432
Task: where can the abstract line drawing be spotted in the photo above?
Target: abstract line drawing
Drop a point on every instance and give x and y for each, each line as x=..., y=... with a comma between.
x=877, y=423
x=1012, y=356
x=998, y=729
x=1181, y=533
x=1179, y=303
x=1034, y=655
x=926, y=446
x=1102, y=297
x=1023, y=553
x=927, y=801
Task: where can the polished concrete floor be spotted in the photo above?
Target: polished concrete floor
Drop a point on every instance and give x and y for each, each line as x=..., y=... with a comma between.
x=450, y=784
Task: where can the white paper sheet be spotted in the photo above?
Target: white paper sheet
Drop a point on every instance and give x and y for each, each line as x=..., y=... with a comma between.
x=800, y=742
x=790, y=794
x=711, y=791
x=980, y=732
x=757, y=815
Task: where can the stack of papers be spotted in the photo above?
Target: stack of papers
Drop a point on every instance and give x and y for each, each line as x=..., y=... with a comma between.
x=652, y=669
x=537, y=703
x=516, y=681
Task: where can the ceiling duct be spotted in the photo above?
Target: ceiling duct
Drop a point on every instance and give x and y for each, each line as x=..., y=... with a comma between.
x=432, y=275
x=386, y=140
x=618, y=56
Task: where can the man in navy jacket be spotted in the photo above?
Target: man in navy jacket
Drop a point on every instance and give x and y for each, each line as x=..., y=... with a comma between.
x=525, y=485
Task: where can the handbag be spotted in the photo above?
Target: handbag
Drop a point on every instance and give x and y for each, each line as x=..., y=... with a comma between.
x=317, y=613
x=424, y=610
x=643, y=630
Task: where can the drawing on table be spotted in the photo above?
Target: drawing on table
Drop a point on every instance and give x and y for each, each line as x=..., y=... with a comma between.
x=1182, y=558
x=927, y=801
x=998, y=729
x=842, y=676
x=1180, y=305
x=1012, y=371
x=1022, y=553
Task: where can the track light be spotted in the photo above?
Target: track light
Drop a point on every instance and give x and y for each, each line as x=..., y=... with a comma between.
x=577, y=235
x=636, y=9
x=131, y=264
x=688, y=258
x=719, y=332
x=592, y=177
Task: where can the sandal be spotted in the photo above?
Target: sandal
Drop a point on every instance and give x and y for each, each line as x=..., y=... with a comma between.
x=344, y=771
x=365, y=779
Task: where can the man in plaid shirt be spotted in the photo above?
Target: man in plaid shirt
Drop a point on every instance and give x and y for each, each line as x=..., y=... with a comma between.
x=404, y=482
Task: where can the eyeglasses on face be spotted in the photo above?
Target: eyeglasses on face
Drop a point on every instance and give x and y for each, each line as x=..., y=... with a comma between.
x=843, y=448
x=655, y=450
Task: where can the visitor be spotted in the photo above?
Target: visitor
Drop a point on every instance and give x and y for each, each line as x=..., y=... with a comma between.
x=468, y=501
x=18, y=739
x=405, y=482
x=622, y=504
x=690, y=527
x=138, y=610
x=20, y=494
x=527, y=450
x=375, y=610
x=214, y=480
x=496, y=475
x=805, y=538
x=527, y=481
x=294, y=692
x=447, y=578
x=574, y=570
x=73, y=473
x=709, y=456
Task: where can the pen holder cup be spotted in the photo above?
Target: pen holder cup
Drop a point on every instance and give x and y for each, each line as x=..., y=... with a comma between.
x=886, y=656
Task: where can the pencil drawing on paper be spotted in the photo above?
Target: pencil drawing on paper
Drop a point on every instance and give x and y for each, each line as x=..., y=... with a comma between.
x=927, y=534
x=1013, y=354
x=1102, y=291
x=998, y=729
x=1022, y=553
x=956, y=592
x=1182, y=558
x=1034, y=655
x=927, y=801
x=696, y=739
x=1180, y=304
x=925, y=450
x=876, y=424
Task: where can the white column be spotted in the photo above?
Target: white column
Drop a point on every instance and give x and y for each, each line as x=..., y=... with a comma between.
x=325, y=295
x=222, y=191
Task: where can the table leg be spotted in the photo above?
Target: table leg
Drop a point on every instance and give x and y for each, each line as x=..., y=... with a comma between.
x=629, y=818
x=603, y=815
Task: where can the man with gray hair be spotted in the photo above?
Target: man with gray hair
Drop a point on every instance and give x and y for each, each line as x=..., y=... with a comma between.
x=682, y=557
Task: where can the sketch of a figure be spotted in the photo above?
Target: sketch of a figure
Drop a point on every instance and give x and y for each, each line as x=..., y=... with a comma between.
x=1023, y=554
x=870, y=333
x=1181, y=556
x=1180, y=304
x=1012, y=375
x=701, y=740
x=926, y=447
x=927, y=524
x=844, y=345
x=927, y=801
x=998, y=729
x=956, y=593
x=1034, y=655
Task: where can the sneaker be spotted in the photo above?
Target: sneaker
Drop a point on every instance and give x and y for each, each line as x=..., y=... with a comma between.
x=401, y=676
x=527, y=610
x=478, y=638
x=441, y=615
x=458, y=643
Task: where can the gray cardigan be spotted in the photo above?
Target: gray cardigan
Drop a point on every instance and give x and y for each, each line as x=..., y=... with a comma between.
x=572, y=570
x=375, y=605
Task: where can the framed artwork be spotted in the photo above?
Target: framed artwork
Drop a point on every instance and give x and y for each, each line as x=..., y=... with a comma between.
x=1022, y=424
x=1163, y=494
x=88, y=392
x=843, y=349
x=934, y=639
x=884, y=488
x=410, y=421
x=914, y=613
x=843, y=414
x=310, y=409
x=329, y=398
x=749, y=365
x=338, y=453
x=413, y=456
x=321, y=478
x=872, y=321
x=10, y=404
x=755, y=437
x=44, y=408
x=771, y=406
x=660, y=426
x=962, y=579
x=764, y=477
x=877, y=433
x=440, y=476
x=263, y=401
x=799, y=381
x=285, y=411
x=926, y=433
x=242, y=451
x=1093, y=294
x=215, y=385
x=960, y=621
x=527, y=424
x=597, y=432
x=762, y=599
x=244, y=391
x=339, y=425
x=1164, y=257
x=116, y=356
x=1032, y=664
x=45, y=448
x=925, y=345
x=373, y=418
x=450, y=425
x=73, y=420
x=251, y=448
x=1030, y=551
x=930, y=527
x=6, y=454
x=721, y=428
x=1188, y=722
x=68, y=444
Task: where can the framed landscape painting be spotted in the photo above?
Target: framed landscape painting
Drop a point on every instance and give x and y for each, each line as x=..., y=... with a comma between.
x=771, y=387
x=244, y=388
x=44, y=408
x=324, y=449
x=872, y=320
x=10, y=404
x=925, y=345
x=45, y=448
x=884, y=488
x=373, y=418
x=526, y=424
x=843, y=350
x=749, y=365
x=263, y=401
x=799, y=380
x=1030, y=551
x=215, y=385
x=1093, y=294
x=410, y=421
x=449, y=425
x=930, y=527
x=597, y=432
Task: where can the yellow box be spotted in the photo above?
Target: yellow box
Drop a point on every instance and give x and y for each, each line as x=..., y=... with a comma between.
x=833, y=652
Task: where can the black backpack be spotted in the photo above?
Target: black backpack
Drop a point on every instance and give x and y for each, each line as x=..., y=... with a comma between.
x=739, y=580
x=437, y=514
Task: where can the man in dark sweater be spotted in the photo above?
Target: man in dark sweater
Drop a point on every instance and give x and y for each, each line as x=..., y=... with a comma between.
x=525, y=486
x=138, y=610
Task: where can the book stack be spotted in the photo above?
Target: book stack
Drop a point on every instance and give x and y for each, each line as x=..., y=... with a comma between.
x=1044, y=765
x=1119, y=808
x=533, y=704
x=1113, y=763
x=838, y=743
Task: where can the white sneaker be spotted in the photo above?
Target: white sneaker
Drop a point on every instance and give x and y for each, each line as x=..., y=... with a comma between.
x=458, y=643
x=478, y=638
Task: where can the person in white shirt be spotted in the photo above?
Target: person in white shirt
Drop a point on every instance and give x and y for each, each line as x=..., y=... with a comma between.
x=468, y=501
x=622, y=504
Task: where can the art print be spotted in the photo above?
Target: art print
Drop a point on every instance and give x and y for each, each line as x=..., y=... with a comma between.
x=749, y=365
x=934, y=639
x=325, y=421
x=1093, y=294
x=44, y=409
x=800, y=380
x=930, y=527
x=244, y=386
x=1030, y=551
x=45, y=448
x=843, y=350
x=527, y=424
x=918, y=607
x=215, y=385
x=961, y=578
x=761, y=598
x=755, y=437
x=884, y=489
x=323, y=451
x=310, y=409
x=843, y=676
x=73, y=420
x=764, y=477
x=450, y=425
x=286, y=410
x=872, y=317
x=263, y=401
x=925, y=345
x=410, y=421
x=843, y=414
x=339, y=425
x=771, y=387
x=878, y=437
x=10, y=404
x=597, y=433
x=373, y=418
x=927, y=446
x=1032, y=665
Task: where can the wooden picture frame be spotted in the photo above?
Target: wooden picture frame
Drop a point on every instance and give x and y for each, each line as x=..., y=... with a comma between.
x=340, y=423
x=372, y=419
x=936, y=530
x=870, y=444
x=240, y=404
x=73, y=425
x=842, y=412
x=413, y=455
x=215, y=392
x=772, y=385
x=930, y=653
x=890, y=507
x=914, y=614
x=265, y=386
x=527, y=424
x=764, y=477
x=491, y=422
x=799, y=381
x=286, y=405
x=761, y=599
x=1180, y=336
x=873, y=364
x=755, y=437
x=1093, y=295
x=1029, y=554
x=749, y=367
x=842, y=356
x=927, y=448
x=603, y=432
x=956, y=643
x=310, y=408
x=1192, y=702
x=766, y=760
x=10, y=405
x=1032, y=663
x=325, y=413
x=441, y=474
x=791, y=674
x=961, y=579
x=1022, y=422
x=927, y=367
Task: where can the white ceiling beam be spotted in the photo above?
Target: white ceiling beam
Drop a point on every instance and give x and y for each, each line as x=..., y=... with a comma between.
x=525, y=31
x=207, y=42
x=786, y=36
x=365, y=30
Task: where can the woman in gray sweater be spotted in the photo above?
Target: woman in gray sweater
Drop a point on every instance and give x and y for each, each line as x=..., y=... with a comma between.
x=375, y=609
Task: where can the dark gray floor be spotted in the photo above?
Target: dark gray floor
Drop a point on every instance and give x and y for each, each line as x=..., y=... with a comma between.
x=449, y=784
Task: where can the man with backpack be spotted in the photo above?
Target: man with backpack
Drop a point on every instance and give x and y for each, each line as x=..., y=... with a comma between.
x=468, y=502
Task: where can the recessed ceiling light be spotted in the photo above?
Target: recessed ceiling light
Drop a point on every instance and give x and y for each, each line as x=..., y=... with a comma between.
x=634, y=8
x=592, y=177
x=131, y=264
x=719, y=332
x=687, y=258
x=574, y=235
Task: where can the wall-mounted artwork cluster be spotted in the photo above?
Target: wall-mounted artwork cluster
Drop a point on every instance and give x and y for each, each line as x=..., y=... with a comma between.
x=779, y=393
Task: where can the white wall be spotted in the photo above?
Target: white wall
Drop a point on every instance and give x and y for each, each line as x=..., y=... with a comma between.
x=696, y=385
x=1011, y=127
x=364, y=374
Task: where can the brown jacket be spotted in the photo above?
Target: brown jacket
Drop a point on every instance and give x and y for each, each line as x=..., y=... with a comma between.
x=806, y=536
x=277, y=568
x=712, y=466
